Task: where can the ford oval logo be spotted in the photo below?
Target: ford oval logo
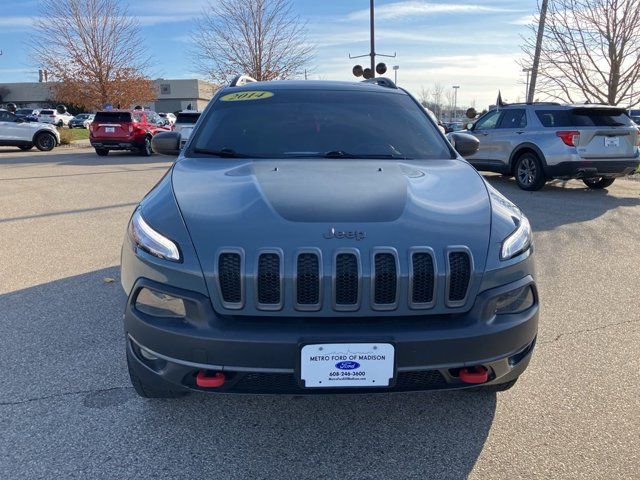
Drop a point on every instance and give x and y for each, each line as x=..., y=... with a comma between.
x=347, y=365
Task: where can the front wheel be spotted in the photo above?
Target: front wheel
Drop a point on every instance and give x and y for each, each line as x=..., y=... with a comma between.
x=598, y=183
x=45, y=141
x=529, y=173
x=60, y=124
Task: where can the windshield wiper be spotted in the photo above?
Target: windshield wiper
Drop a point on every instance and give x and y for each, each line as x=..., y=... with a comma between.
x=223, y=152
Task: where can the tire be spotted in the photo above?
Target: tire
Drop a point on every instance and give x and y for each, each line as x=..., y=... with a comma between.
x=146, y=151
x=598, y=183
x=25, y=148
x=146, y=390
x=45, y=141
x=102, y=152
x=60, y=124
x=528, y=172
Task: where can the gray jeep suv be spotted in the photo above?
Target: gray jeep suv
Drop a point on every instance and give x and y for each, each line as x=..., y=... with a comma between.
x=324, y=237
x=541, y=141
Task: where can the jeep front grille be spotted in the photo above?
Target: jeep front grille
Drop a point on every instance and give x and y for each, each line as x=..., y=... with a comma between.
x=230, y=278
x=274, y=282
x=459, y=277
x=269, y=280
x=308, y=281
x=346, y=281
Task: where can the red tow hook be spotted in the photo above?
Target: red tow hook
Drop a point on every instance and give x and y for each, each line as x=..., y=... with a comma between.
x=475, y=374
x=205, y=380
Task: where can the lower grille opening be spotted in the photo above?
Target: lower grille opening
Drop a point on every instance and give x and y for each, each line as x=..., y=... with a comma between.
x=347, y=279
x=229, y=266
x=460, y=274
x=269, y=279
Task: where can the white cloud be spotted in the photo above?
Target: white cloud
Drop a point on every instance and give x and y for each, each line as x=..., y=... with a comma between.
x=414, y=8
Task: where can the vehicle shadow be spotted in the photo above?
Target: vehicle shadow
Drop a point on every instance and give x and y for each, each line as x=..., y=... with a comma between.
x=562, y=202
x=66, y=337
x=85, y=156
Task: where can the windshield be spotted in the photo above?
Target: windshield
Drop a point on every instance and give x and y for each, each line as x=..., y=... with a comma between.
x=319, y=123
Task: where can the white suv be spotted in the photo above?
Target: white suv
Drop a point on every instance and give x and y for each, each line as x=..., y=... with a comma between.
x=15, y=132
x=54, y=117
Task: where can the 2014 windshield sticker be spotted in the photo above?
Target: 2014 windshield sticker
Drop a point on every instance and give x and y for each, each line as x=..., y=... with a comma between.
x=246, y=95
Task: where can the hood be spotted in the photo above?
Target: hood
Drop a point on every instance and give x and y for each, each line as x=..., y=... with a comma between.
x=328, y=204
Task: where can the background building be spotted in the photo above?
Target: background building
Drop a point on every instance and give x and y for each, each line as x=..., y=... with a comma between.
x=173, y=95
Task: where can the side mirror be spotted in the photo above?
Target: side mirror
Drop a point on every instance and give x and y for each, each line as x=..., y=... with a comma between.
x=464, y=143
x=471, y=126
x=166, y=143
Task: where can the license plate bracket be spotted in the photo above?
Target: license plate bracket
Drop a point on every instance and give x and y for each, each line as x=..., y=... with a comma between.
x=347, y=365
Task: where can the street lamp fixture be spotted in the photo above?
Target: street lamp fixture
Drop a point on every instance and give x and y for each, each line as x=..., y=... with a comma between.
x=395, y=71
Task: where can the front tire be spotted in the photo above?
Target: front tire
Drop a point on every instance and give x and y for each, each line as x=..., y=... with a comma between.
x=146, y=390
x=528, y=172
x=45, y=141
x=60, y=124
x=102, y=152
x=598, y=183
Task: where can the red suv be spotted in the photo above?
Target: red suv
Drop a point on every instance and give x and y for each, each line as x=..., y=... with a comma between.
x=125, y=130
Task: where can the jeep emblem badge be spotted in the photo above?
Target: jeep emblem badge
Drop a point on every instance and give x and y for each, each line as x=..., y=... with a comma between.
x=333, y=233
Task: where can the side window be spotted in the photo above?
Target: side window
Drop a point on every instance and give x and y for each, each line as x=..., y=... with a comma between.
x=490, y=120
x=7, y=117
x=514, y=118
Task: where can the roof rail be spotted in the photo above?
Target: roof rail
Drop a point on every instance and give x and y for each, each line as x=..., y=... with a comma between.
x=382, y=81
x=240, y=80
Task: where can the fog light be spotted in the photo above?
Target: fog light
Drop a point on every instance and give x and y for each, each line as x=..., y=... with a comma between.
x=515, y=301
x=147, y=354
x=159, y=304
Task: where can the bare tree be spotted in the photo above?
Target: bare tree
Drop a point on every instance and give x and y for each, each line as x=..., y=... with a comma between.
x=590, y=51
x=262, y=38
x=437, y=93
x=93, y=51
x=424, y=96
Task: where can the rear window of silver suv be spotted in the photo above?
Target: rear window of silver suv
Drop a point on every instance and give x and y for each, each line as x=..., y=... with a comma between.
x=583, y=117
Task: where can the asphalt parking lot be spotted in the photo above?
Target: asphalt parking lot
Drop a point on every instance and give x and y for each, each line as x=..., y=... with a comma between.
x=67, y=409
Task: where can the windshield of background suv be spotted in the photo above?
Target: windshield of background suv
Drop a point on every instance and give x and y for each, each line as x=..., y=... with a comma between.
x=319, y=123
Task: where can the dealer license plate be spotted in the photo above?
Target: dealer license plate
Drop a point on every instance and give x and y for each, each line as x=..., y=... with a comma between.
x=612, y=141
x=335, y=365
x=109, y=129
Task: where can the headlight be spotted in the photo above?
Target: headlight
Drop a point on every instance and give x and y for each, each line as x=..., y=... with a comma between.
x=151, y=241
x=515, y=301
x=159, y=304
x=519, y=241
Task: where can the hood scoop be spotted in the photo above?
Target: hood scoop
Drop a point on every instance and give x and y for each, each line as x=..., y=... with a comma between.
x=333, y=191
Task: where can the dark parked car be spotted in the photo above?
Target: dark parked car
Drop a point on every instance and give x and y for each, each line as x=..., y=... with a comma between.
x=324, y=237
x=82, y=120
x=125, y=130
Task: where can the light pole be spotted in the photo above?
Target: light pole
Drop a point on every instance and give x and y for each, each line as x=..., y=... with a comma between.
x=455, y=100
x=526, y=92
x=395, y=72
x=536, y=56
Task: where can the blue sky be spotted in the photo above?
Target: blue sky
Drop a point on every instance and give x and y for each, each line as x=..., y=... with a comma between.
x=471, y=44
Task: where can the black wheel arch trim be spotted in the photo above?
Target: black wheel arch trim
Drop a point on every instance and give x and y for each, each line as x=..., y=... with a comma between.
x=527, y=146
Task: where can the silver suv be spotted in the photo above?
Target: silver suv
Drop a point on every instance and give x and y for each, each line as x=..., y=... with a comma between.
x=541, y=141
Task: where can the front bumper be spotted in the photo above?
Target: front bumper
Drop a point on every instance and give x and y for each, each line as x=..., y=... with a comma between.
x=262, y=355
x=592, y=168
